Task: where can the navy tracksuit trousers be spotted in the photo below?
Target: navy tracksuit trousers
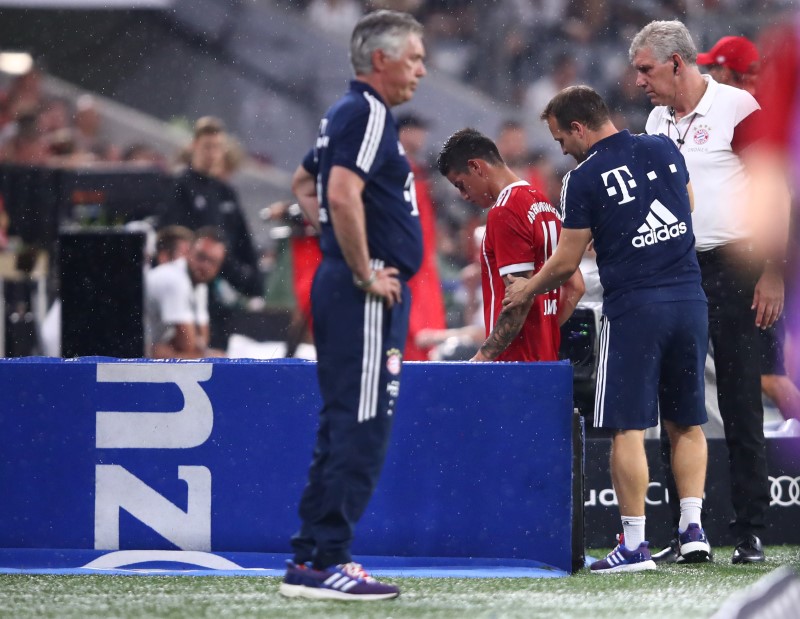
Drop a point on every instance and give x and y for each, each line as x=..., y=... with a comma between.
x=359, y=345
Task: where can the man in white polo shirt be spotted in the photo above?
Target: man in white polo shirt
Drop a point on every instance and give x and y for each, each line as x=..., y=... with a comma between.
x=708, y=122
x=176, y=300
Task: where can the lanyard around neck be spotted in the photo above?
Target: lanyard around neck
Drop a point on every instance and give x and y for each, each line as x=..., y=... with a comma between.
x=681, y=138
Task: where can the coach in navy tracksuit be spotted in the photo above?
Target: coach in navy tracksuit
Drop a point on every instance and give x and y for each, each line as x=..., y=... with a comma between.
x=357, y=183
x=631, y=195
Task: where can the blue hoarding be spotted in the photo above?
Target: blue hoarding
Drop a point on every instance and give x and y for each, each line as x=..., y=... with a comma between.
x=109, y=454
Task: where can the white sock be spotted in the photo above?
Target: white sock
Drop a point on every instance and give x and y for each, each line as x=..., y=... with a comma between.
x=690, y=512
x=633, y=529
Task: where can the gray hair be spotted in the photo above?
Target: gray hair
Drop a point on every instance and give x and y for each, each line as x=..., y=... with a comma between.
x=665, y=38
x=385, y=30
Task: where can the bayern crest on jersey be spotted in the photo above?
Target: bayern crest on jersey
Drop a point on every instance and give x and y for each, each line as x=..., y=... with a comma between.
x=701, y=135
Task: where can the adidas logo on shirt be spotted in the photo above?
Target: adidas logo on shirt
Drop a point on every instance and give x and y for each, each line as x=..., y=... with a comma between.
x=660, y=225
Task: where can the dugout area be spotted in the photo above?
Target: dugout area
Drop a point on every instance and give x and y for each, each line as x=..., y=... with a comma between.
x=101, y=457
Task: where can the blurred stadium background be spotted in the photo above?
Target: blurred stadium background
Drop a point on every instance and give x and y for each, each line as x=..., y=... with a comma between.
x=148, y=68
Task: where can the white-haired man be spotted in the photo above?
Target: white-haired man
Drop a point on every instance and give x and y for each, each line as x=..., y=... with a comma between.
x=371, y=242
x=708, y=122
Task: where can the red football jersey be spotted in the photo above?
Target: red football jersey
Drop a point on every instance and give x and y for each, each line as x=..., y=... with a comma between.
x=522, y=231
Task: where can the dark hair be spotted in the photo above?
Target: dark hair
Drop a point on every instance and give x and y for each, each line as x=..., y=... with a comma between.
x=211, y=232
x=577, y=103
x=208, y=125
x=168, y=238
x=464, y=145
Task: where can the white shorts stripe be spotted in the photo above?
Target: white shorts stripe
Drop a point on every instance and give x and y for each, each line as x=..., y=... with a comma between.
x=600, y=391
x=371, y=359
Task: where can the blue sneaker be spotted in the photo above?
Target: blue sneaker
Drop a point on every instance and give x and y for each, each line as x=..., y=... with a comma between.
x=693, y=546
x=623, y=560
x=340, y=582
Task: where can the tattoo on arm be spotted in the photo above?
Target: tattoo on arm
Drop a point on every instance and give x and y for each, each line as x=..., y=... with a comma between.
x=507, y=327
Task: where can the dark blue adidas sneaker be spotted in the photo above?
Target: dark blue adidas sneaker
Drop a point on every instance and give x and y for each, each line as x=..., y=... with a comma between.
x=693, y=546
x=348, y=581
x=623, y=560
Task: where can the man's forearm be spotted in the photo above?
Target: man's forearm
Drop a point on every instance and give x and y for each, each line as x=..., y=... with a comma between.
x=349, y=228
x=549, y=278
x=507, y=327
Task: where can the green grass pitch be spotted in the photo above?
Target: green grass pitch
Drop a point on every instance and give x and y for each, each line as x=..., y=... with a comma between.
x=679, y=592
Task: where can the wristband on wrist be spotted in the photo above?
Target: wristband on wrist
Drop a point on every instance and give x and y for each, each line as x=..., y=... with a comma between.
x=364, y=284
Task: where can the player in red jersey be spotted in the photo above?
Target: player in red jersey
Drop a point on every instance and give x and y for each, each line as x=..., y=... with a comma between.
x=522, y=230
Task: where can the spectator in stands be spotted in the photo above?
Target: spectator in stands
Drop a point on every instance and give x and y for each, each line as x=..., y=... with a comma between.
x=427, y=304
x=88, y=125
x=26, y=145
x=172, y=242
x=512, y=143
x=201, y=199
x=143, y=154
x=625, y=102
x=176, y=300
x=64, y=151
x=338, y=17
x=733, y=61
x=304, y=256
x=55, y=113
x=451, y=27
x=24, y=96
x=231, y=161
x=505, y=48
x=563, y=73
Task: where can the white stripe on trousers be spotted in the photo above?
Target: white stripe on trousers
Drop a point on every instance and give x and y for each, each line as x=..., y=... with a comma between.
x=602, y=362
x=371, y=359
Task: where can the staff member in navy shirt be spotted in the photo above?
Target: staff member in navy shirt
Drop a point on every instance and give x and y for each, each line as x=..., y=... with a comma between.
x=631, y=195
x=357, y=186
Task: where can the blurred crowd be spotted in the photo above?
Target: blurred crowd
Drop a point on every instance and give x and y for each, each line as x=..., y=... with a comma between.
x=37, y=129
x=520, y=52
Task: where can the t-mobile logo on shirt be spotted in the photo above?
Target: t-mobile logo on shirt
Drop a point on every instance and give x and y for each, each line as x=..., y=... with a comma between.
x=619, y=178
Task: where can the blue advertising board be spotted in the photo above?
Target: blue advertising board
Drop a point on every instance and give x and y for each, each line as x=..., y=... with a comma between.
x=105, y=454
